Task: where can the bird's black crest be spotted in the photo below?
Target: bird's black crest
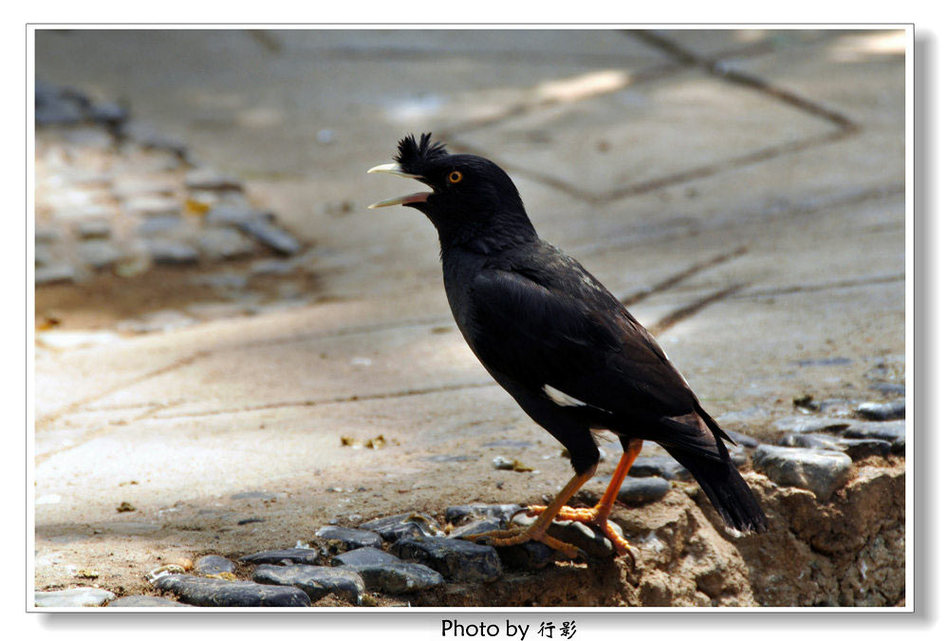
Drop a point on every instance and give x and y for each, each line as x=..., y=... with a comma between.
x=414, y=155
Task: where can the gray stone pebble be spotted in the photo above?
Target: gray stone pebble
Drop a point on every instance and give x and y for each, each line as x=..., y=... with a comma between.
x=203, y=591
x=334, y=539
x=224, y=244
x=743, y=439
x=384, y=572
x=883, y=411
x=317, y=581
x=291, y=555
x=455, y=559
x=885, y=430
x=592, y=542
x=393, y=528
x=171, y=252
x=820, y=471
x=456, y=514
x=213, y=564
x=272, y=236
x=146, y=601
x=532, y=555
x=806, y=424
x=898, y=446
x=99, y=254
x=72, y=598
x=93, y=229
x=207, y=179
x=56, y=273
x=856, y=449
x=640, y=491
x=664, y=466
x=889, y=389
x=478, y=527
x=364, y=556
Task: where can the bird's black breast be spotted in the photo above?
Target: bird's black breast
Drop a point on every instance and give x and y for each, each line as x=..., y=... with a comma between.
x=538, y=318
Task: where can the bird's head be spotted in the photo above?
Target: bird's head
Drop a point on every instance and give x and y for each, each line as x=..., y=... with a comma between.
x=470, y=197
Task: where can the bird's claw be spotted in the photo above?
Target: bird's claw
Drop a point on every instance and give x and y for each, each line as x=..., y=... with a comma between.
x=502, y=538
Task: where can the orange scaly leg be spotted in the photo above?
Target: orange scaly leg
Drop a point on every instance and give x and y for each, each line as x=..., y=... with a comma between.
x=601, y=511
x=538, y=530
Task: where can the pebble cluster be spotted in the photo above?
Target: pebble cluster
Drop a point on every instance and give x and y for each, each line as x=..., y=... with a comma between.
x=408, y=553
x=113, y=196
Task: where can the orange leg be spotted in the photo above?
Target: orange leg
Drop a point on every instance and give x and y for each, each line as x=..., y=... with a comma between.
x=601, y=511
x=538, y=529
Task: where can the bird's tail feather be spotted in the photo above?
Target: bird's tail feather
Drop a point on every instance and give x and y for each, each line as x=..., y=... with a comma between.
x=726, y=489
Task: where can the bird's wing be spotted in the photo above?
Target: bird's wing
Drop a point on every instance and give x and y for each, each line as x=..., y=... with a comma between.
x=587, y=347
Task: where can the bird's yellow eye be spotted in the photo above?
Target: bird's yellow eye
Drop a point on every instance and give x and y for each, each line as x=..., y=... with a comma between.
x=454, y=177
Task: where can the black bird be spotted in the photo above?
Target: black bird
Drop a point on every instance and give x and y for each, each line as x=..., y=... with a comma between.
x=566, y=349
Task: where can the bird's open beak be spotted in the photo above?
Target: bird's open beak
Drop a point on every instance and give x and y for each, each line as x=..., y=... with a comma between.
x=394, y=168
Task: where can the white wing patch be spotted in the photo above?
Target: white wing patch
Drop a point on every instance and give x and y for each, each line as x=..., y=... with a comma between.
x=562, y=398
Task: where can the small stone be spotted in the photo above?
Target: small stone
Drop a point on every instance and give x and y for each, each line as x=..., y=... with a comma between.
x=150, y=205
x=55, y=274
x=477, y=527
x=146, y=601
x=73, y=598
x=820, y=471
x=231, y=214
x=224, y=243
x=502, y=463
x=664, y=466
x=272, y=236
x=316, y=581
x=456, y=559
x=342, y=539
x=806, y=424
x=272, y=267
x=886, y=430
x=856, y=449
x=154, y=225
x=640, y=491
x=392, y=528
x=532, y=555
x=743, y=439
x=883, y=411
x=291, y=555
x=889, y=389
x=460, y=513
x=210, y=180
x=99, y=254
x=171, y=252
x=108, y=113
x=364, y=556
x=404, y=578
x=213, y=564
x=591, y=542
x=219, y=593
x=93, y=229
x=898, y=446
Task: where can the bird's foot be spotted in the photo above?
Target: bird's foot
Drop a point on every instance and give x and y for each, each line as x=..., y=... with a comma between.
x=516, y=536
x=591, y=516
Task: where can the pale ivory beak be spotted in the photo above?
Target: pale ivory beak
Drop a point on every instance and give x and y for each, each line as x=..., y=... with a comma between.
x=394, y=168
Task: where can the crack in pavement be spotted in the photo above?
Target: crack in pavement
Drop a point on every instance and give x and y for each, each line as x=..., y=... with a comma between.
x=687, y=311
x=667, y=230
x=819, y=287
x=678, y=277
x=75, y=406
x=352, y=398
x=715, y=67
